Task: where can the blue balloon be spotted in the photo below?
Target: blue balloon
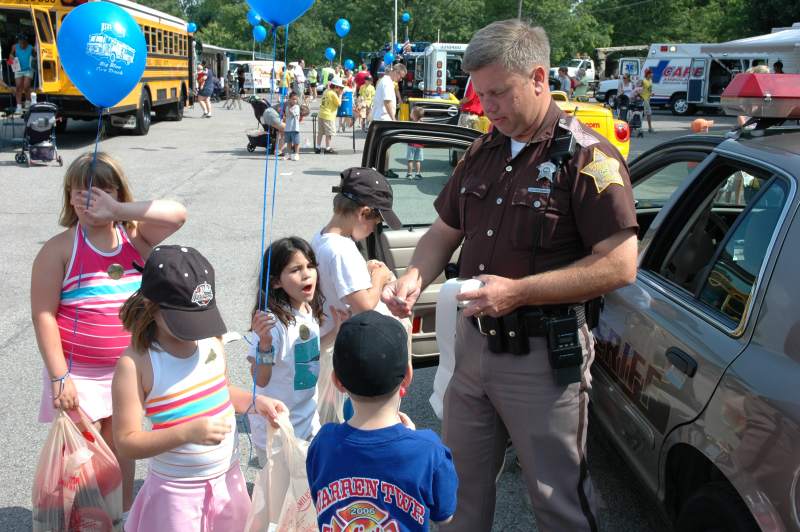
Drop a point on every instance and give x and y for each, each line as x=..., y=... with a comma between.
x=330, y=53
x=103, y=52
x=398, y=48
x=342, y=27
x=406, y=18
x=259, y=33
x=280, y=13
x=349, y=64
x=253, y=18
x=191, y=27
x=388, y=58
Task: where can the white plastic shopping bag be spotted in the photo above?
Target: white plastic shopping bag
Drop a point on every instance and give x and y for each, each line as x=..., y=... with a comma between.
x=330, y=401
x=281, y=494
x=78, y=484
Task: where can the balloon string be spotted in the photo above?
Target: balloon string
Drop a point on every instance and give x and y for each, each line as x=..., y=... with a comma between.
x=277, y=151
x=82, y=240
x=263, y=294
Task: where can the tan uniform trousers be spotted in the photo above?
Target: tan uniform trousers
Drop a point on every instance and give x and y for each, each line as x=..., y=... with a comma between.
x=493, y=396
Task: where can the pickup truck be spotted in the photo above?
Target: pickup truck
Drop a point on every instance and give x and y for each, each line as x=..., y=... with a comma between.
x=573, y=65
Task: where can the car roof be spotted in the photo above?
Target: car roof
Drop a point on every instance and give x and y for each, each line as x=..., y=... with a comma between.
x=777, y=139
x=775, y=142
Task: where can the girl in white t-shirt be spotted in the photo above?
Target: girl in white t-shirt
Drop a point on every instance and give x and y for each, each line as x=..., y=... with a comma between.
x=285, y=343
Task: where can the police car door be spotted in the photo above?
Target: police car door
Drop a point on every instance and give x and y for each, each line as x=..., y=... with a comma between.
x=387, y=149
x=665, y=341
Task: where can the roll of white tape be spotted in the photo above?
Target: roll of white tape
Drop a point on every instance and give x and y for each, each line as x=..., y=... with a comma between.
x=446, y=316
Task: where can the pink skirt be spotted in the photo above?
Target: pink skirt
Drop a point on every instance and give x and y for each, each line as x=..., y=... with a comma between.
x=93, y=384
x=220, y=504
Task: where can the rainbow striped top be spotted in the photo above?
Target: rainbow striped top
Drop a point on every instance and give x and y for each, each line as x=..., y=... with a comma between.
x=94, y=288
x=185, y=389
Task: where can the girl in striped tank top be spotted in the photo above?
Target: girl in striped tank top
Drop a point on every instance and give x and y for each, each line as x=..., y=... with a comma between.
x=174, y=374
x=79, y=281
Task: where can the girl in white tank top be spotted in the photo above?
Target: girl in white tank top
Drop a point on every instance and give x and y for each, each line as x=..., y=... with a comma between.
x=174, y=374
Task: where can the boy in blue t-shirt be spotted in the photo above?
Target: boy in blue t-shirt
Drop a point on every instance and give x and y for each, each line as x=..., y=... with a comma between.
x=375, y=472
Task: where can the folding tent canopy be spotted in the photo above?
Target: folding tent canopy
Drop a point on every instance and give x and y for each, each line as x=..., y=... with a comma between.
x=782, y=44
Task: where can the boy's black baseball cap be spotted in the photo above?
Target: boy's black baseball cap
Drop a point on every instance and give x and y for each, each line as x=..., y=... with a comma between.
x=369, y=188
x=181, y=281
x=370, y=355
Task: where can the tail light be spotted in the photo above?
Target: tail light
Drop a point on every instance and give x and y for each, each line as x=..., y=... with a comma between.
x=621, y=131
x=416, y=325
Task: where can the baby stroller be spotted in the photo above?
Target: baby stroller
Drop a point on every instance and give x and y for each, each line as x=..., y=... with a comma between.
x=39, y=140
x=267, y=118
x=631, y=110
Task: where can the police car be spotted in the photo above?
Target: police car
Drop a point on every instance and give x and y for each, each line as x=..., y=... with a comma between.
x=697, y=364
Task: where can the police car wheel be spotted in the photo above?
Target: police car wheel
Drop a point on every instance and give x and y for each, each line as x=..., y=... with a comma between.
x=715, y=507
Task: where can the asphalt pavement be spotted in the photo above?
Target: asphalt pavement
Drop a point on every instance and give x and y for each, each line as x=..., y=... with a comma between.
x=204, y=164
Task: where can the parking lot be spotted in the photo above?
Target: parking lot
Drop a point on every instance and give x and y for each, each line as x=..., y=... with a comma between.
x=204, y=164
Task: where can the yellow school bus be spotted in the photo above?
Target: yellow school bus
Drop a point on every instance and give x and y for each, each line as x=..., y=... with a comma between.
x=165, y=85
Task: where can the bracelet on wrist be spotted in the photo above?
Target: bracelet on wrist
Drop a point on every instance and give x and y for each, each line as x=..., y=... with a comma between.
x=61, y=378
x=265, y=357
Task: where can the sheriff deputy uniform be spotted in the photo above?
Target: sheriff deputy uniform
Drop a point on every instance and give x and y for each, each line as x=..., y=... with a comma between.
x=525, y=375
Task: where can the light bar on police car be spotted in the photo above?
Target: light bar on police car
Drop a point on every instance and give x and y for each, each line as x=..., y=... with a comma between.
x=763, y=96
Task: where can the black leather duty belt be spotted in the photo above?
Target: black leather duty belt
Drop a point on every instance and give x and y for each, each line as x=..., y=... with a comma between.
x=530, y=321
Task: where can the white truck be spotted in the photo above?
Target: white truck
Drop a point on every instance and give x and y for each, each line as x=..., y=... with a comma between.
x=443, y=71
x=684, y=78
x=573, y=65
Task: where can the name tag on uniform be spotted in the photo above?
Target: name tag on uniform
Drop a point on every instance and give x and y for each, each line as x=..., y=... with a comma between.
x=539, y=190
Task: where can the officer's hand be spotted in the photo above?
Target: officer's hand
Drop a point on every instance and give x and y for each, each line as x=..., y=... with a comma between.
x=497, y=297
x=401, y=294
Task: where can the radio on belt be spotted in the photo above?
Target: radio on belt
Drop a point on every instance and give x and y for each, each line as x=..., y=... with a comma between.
x=564, y=349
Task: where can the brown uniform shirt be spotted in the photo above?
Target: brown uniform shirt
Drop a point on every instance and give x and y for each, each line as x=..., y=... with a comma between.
x=495, y=201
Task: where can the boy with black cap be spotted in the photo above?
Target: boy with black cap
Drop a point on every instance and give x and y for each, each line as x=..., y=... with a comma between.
x=348, y=282
x=374, y=472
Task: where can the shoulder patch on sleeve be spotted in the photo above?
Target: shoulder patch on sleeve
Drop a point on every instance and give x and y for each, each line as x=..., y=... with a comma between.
x=581, y=136
x=604, y=170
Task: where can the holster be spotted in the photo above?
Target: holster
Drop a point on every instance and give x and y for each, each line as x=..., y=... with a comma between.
x=505, y=335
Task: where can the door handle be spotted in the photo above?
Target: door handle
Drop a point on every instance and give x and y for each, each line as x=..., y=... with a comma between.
x=682, y=361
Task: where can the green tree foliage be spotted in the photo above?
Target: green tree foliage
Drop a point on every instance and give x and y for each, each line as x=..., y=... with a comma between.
x=173, y=7
x=574, y=26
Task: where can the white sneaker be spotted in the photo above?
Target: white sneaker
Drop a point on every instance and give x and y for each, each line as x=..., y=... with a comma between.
x=19, y=110
x=296, y=157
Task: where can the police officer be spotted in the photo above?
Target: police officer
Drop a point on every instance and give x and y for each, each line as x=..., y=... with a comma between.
x=545, y=211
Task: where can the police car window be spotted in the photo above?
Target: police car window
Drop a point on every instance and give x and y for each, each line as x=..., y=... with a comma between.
x=721, y=199
x=654, y=190
x=732, y=276
x=429, y=168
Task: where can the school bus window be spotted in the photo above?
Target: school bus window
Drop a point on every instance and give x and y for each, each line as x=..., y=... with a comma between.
x=146, y=33
x=159, y=41
x=167, y=43
x=43, y=25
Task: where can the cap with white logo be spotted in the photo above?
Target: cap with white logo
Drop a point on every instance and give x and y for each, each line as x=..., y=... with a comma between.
x=181, y=281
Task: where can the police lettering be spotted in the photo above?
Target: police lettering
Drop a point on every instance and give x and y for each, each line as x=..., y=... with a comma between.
x=632, y=373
